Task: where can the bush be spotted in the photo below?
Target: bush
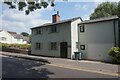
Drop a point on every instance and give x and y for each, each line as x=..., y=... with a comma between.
x=20, y=46
x=114, y=52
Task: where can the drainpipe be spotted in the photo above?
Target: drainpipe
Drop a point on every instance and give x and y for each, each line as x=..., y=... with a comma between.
x=115, y=43
x=78, y=39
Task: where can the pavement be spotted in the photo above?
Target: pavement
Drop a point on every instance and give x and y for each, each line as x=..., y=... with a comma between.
x=83, y=65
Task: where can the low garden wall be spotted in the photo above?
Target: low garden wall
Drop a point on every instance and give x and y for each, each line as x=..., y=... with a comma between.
x=16, y=48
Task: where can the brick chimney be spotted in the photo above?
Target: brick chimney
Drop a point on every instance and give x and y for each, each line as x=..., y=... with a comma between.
x=55, y=17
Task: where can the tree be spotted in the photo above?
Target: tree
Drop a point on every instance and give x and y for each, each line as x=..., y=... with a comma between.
x=25, y=34
x=118, y=9
x=105, y=9
x=119, y=20
x=28, y=5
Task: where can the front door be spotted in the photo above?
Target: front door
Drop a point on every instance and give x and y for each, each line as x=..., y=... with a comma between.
x=63, y=49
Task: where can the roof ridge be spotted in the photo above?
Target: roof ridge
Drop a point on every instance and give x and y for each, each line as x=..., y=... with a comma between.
x=62, y=21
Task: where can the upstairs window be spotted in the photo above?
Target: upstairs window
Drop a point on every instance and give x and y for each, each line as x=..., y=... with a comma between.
x=39, y=31
x=53, y=46
x=77, y=45
x=82, y=28
x=53, y=29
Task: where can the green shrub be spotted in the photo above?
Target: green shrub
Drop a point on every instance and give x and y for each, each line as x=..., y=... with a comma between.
x=20, y=46
x=114, y=52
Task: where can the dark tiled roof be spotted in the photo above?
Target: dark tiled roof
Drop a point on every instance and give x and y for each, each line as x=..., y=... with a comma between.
x=11, y=32
x=62, y=21
x=99, y=19
x=17, y=36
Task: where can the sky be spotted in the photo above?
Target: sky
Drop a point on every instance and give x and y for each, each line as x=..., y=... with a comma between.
x=17, y=21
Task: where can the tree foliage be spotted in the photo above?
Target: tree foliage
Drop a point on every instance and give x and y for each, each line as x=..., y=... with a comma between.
x=119, y=20
x=118, y=9
x=25, y=34
x=28, y=5
x=105, y=9
x=114, y=52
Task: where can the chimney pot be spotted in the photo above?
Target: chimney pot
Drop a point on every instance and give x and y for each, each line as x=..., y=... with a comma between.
x=57, y=12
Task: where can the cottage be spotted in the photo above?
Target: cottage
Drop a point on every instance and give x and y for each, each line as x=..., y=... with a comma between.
x=12, y=37
x=58, y=39
x=97, y=36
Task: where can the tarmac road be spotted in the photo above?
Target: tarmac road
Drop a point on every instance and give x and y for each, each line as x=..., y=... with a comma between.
x=23, y=68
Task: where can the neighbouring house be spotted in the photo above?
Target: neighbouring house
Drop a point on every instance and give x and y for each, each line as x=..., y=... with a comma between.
x=57, y=39
x=97, y=36
x=11, y=37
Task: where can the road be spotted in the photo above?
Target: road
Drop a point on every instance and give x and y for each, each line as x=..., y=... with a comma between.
x=23, y=68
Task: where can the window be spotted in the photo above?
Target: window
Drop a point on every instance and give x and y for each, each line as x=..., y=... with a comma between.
x=53, y=29
x=3, y=38
x=82, y=28
x=53, y=46
x=82, y=47
x=77, y=45
x=38, y=46
x=39, y=31
x=18, y=39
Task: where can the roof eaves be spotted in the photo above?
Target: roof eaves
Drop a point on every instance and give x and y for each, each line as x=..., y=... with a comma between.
x=100, y=20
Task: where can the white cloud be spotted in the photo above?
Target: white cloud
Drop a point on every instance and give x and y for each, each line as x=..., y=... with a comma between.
x=86, y=0
x=86, y=17
x=106, y=0
x=14, y=20
x=85, y=7
x=79, y=7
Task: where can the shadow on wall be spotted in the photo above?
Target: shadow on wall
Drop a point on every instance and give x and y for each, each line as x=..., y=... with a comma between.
x=21, y=68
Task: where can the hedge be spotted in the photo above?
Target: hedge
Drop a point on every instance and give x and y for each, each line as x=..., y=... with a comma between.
x=114, y=52
x=21, y=46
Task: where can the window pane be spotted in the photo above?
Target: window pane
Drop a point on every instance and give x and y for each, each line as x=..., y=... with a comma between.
x=39, y=31
x=53, y=29
x=53, y=45
x=82, y=28
x=82, y=47
x=3, y=38
x=38, y=45
x=77, y=45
